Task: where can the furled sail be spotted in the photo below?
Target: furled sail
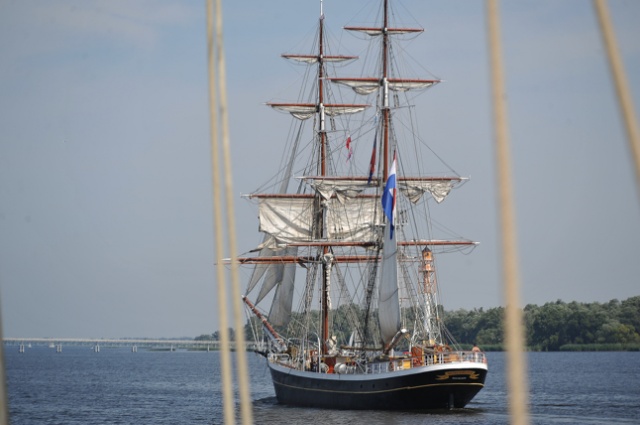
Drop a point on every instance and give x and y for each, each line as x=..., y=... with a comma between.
x=375, y=31
x=312, y=59
x=289, y=220
x=397, y=84
x=342, y=188
x=303, y=111
x=414, y=189
x=366, y=85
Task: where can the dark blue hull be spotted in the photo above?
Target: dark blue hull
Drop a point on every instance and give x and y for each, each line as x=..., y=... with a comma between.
x=422, y=388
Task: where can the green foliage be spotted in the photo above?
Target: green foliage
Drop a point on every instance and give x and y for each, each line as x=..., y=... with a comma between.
x=216, y=336
x=600, y=347
x=205, y=337
x=559, y=324
x=554, y=326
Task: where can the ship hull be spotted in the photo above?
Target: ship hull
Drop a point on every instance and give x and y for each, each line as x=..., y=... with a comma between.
x=421, y=388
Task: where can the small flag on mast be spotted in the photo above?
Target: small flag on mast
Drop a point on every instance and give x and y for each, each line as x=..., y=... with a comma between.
x=348, y=146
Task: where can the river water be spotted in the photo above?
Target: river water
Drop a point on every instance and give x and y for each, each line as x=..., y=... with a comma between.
x=117, y=386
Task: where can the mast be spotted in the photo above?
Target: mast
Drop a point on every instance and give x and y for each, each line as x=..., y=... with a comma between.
x=385, y=92
x=321, y=110
x=326, y=268
x=430, y=292
x=368, y=85
x=388, y=291
x=339, y=213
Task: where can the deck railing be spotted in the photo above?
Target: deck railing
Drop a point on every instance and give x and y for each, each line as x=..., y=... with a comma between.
x=396, y=363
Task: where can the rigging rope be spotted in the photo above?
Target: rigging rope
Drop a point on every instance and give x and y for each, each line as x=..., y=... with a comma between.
x=218, y=109
x=621, y=84
x=514, y=332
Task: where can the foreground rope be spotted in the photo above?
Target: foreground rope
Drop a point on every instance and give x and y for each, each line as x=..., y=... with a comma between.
x=514, y=332
x=621, y=83
x=215, y=50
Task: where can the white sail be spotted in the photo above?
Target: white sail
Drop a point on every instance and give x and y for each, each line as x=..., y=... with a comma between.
x=351, y=244
x=333, y=110
x=313, y=59
x=357, y=219
x=287, y=220
x=303, y=111
x=341, y=188
x=280, y=313
x=290, y=220
x=273, y=276
x=412, y=188
x=415, y=189
x=361, y=86
x=375, y=31
x=367, y=85
x=259, y=270
x=397, y=84
x=388, y=297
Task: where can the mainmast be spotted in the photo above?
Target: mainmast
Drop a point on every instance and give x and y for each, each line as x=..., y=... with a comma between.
x=326, y=265
x=388, y=291
x=385, y=92
x=368, y=85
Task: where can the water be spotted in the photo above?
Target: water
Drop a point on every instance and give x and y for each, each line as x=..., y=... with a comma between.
x=116, y=386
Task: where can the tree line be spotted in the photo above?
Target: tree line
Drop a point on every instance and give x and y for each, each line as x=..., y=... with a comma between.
x=554, y=326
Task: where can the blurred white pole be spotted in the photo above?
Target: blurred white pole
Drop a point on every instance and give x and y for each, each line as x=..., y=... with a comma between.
x=215, y=53
x=218, y=230
x=621, y=83
x=241, y=353
x=514, y=332
x=4, y=402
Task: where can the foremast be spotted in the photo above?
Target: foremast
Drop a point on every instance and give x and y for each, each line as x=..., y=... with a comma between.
x=319, y=211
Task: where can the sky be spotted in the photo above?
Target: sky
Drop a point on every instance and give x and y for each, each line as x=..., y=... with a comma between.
x=106, y=217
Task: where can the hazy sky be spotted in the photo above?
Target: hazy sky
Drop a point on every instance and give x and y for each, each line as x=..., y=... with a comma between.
x=105, y=193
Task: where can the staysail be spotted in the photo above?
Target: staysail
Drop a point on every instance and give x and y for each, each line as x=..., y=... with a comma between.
x=388, y=297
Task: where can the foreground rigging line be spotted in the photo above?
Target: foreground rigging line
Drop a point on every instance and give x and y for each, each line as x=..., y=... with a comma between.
x=621, y=84
x=216, y=43
x=514, y=333
x=4, y=405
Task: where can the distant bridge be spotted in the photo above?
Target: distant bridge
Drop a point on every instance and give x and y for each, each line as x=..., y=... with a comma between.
x=157, y=344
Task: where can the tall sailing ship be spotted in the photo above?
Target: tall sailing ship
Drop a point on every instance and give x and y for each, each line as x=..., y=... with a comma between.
x=346, y=268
